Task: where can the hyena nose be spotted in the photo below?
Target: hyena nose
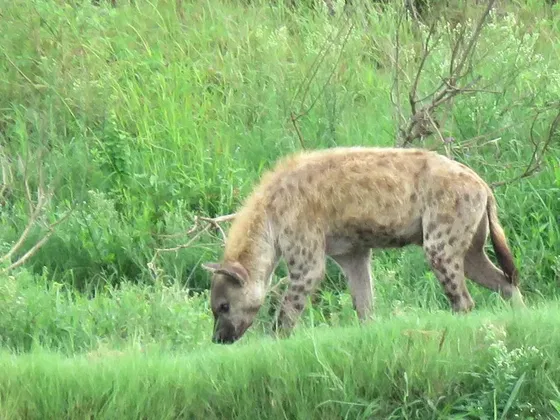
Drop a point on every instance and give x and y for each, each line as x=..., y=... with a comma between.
x=219, y=339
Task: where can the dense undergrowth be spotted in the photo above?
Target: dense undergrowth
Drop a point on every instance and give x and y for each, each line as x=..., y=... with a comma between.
x=145, y=115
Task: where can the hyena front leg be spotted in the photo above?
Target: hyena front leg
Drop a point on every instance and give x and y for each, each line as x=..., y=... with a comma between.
x=306, y=268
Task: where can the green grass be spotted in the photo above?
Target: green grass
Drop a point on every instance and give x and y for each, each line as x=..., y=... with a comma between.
x=413, y=366
x=146, y=115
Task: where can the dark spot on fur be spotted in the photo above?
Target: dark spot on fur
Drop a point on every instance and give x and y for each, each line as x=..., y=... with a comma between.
x=464, y=244
x=308, y=282
x=456, y=266
x=454, y=298
x=413, y=197
x=439, y=234
x=427, y=236
x=439, y=194
x=291, y=262
x=295, y=276
x=465, y=295
x=445, y=219
x=467, y=198
x=452, y=276
x=457, y=205
x=431, y=227
x=295, y=297
x=453, y=286
x=452, y=240
x=448, y=230
x=435, y=262
x=440, y=246
x=478, y=197
x=448, y=260
x=299, y=289
x=298, y=306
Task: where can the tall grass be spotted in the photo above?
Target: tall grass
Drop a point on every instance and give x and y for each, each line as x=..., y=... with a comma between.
x=147, y=116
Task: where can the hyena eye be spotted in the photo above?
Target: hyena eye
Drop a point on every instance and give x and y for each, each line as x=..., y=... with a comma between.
x=224, y=307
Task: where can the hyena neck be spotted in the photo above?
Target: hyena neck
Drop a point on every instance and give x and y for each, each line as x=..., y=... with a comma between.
x=251, y=243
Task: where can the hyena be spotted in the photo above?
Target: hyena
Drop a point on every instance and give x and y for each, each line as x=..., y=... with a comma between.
x=342, y=203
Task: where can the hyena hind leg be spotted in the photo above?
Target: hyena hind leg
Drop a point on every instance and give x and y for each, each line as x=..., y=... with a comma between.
x=445, y=246
x=356, y=266
x=481, y=270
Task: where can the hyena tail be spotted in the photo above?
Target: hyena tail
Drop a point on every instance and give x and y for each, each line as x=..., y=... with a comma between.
x=499, y=242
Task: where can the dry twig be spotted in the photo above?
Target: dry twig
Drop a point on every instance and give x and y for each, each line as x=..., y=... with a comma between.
x=197, y=230
x=305, y=85
x=422, y=121
x=539, y=151
x=35, y=211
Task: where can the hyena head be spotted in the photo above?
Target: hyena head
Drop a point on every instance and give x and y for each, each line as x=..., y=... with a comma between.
x=234, y=300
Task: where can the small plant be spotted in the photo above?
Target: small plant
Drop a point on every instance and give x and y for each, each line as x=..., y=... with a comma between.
x=504, y=377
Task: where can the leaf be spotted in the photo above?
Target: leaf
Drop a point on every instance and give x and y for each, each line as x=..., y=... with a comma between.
x=513, y=395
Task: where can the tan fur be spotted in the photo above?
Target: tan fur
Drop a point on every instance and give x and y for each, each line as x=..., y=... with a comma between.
x=342, y=202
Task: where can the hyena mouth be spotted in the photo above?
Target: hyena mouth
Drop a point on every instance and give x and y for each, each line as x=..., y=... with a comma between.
x=229, y=337
x=224, y=340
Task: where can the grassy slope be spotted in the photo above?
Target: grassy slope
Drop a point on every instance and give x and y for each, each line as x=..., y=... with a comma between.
x=400, y=368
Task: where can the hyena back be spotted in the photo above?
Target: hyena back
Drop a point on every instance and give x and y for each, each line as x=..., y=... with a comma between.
x=342, y=203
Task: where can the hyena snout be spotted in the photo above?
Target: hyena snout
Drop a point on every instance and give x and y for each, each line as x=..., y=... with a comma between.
x=225, y=332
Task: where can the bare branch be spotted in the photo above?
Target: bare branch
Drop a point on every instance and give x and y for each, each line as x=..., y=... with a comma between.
x=537, y=156
x=35, y=211
x=426, y=53
x=33, y=250
x=7, y=177
x=422, y=121
x=197, y=231
x=395, y=89
x=294, y=117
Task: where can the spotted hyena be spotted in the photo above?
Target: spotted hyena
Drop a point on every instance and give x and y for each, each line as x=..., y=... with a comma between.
x=342, y=203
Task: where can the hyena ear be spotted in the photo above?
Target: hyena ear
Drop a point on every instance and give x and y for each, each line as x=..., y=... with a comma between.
x=212, y=267
x=233, y=270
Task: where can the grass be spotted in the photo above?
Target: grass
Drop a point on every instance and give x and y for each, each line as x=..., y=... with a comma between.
x=145, y=115
x=412, y=366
